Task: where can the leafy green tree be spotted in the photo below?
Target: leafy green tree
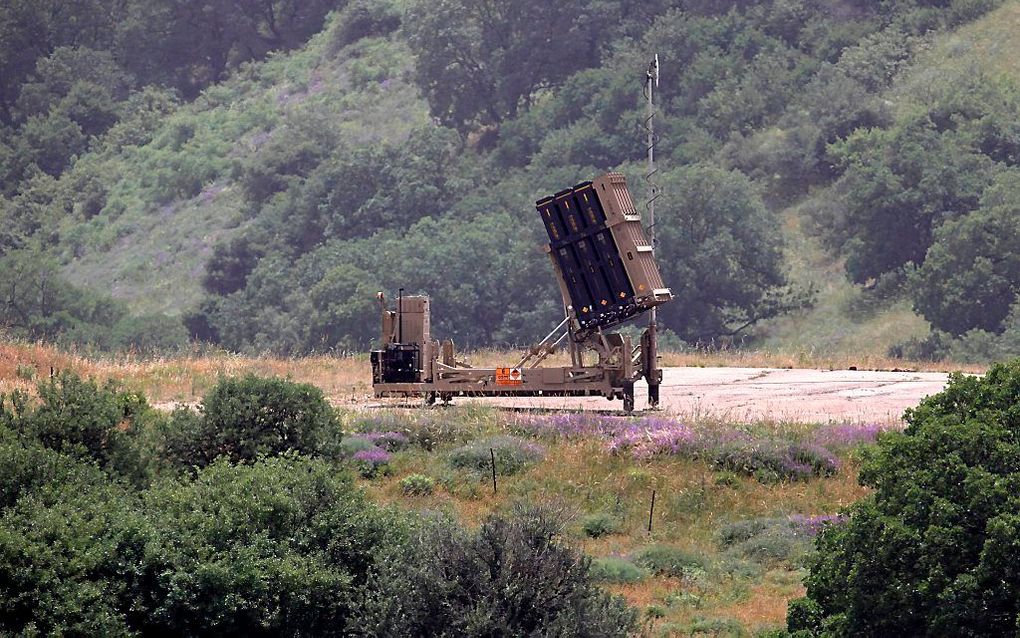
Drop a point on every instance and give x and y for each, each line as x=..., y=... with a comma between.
x=971, y=275
x=28, y=465
x=82, y=419
x=933, y=551
x=284, y=546
x=898, y=186
x=66, y=558
x=720, y=252
x=81, y=82
x=481, y=62
x=345, y=311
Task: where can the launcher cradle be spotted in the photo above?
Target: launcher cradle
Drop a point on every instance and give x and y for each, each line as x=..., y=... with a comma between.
x=607, y=275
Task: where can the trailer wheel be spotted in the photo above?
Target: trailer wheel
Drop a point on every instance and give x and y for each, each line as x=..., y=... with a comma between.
x=430, y=398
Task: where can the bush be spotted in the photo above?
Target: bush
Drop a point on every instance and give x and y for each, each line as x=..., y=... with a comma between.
x=244, y=418
x=773, y=541
x=28, y=466
x=417, y=485
x=372, y=462
x=598, y=525
x=612, y=569
x=67, y=561
x=776, y=545
x=282, y=546
x=771, y=461
x=512, y=455
x=664, y=560
x=933, y=550
x=511, y=577
x=425, y=430
x=80, y=418
x=363, y=18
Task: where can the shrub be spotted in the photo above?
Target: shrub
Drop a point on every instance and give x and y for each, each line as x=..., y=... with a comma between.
x=389, y=441
x=737, y=532
x=512, y=576
x=512, y=455
x=664, y=560
x=417, y=485
x=771, y=461
x=600, y=524
x=424, y=430
x=775, y=545
x=244, y=418
x=372, y=462
x=351, y=445
x=80, y=418
x=363, y=18
x=280, y=546
x=68, y=560
x=613, y=569
x=932, y=551
x=28, y=466
x=770, y=541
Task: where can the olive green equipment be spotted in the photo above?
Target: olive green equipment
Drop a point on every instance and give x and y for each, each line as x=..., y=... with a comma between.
x=607, y=275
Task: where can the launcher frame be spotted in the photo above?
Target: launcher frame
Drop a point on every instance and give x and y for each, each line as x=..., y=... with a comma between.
x=607, y=275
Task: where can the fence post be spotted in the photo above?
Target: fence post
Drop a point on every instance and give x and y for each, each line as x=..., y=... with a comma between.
x=493, y=456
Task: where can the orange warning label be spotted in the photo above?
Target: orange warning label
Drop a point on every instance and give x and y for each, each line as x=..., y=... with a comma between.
x=509, y=376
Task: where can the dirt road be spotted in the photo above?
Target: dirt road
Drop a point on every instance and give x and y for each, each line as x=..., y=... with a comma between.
x=752, y=394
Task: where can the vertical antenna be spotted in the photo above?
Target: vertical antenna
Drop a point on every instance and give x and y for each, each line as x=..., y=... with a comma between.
x=650, y=343
x=651, y=82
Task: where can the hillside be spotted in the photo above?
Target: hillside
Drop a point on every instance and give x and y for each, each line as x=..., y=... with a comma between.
x=845, y=317
x=263, y=210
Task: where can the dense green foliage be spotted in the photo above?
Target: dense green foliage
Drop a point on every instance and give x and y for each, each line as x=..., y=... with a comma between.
x=171, y=152
x=100, y=535
x=934, y=550
x=510, y=577
x=244, y=419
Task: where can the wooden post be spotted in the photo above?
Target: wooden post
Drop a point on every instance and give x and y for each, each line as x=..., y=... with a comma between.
x=492, y=454
x=651, y=511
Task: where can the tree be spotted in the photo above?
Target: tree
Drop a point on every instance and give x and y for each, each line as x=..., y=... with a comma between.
x=971, y=275
x=933, y=551
x=480, y=62
x=720, y=251
x=898, y=186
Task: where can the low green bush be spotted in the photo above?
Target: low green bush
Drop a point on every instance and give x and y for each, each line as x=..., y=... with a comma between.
x=600, y=524
x=766, y=541
x=417, y=485
x=511, y=577
x=665, y=560
x=613, y=569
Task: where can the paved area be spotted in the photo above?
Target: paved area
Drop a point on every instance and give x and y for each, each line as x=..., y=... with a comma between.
x=752, y=394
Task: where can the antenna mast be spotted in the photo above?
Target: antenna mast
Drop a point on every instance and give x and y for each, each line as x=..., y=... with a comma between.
x=651, y=347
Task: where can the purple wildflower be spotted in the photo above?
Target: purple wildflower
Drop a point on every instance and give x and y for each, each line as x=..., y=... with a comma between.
x=373, y=456
x=843, y=436
x=812, y=525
